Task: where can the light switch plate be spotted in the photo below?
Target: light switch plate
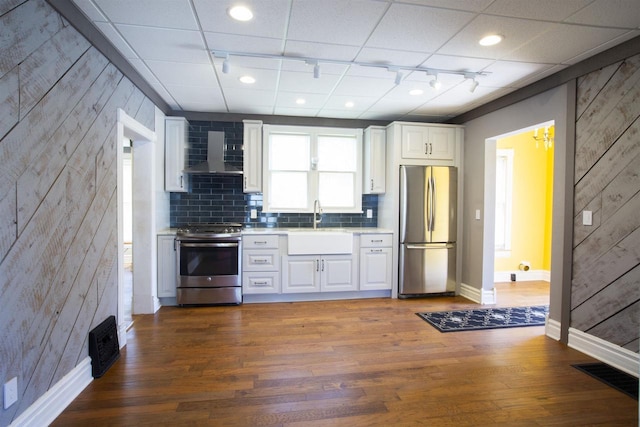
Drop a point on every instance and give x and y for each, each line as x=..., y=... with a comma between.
x=477, y=213
x=254, y=213
x=587, y=218
x=369, y=213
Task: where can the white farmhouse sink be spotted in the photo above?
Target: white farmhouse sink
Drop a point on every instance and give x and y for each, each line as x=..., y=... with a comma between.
x=320, y=241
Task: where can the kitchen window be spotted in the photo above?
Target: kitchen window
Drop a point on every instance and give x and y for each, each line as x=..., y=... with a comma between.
x=304, y=164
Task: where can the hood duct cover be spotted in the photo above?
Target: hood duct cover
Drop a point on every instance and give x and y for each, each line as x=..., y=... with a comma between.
x=215, y=163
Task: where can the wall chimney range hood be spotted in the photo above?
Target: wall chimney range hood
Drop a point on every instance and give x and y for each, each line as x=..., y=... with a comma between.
x=215, y=163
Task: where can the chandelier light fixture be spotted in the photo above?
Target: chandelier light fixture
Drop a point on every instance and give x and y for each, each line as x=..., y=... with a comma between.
x=398, y=70
x=545, y=138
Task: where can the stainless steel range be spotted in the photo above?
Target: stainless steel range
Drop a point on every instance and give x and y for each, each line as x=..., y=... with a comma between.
x=209, y=264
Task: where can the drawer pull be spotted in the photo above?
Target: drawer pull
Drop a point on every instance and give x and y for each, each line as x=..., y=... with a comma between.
x=376, y=241
x=260, y=261
x=376, y=250
x=261, y=242
x=261, y=283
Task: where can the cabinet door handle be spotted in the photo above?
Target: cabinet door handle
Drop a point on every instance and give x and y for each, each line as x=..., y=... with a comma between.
x=426, y=148
x=245, y=182
x=322, y=265
x=317, y=265
x=371, y=184
x=430, y=148
x=181, y=179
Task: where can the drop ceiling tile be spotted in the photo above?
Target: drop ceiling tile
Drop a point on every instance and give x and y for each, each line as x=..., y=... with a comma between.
x=144, y=70
x=325, y=68
x=199, y=94
x=363, y=86
x=304, y=82
x=516, y=32
x=574, y=38
x=604, y=46
x=340, y=114
x=360, y=103
x=288, y=100
x=391, y=57
x=243, y=63
x=510, y=74
x=166, y=44
x=89, y=8
x=304, y=112
x=456, y=63
x=246, y=44
x=417, y=28
x=154, y=13
x=541, y=75
x=609, y=13
x=180, y=73
x=321, y=50
x=378, y=115
x=334, y=21
x=544, y=10
x=265, y=79
x=252, y=109
x=269, y=18
x=116, y=39
x=399, y=105
x=242, y=97
x=468, y=5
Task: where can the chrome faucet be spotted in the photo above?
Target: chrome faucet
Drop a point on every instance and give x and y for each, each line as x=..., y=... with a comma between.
x=317, y=212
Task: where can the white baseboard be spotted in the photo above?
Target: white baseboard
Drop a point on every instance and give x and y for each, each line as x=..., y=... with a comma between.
x=552, y=329
x=480, y=296
x=522, y=276
x=51, y=404
x=611, y=354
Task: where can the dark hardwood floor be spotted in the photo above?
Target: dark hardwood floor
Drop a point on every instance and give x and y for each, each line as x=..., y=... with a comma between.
x=345, y=363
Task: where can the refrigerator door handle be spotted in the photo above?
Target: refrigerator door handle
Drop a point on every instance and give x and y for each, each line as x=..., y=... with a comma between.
x=433, y=203
x=424, y=246
x=403, y=205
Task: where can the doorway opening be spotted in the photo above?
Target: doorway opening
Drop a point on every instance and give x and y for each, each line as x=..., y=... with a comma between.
x=523, y=215
x=140, y=221
x=127, y=224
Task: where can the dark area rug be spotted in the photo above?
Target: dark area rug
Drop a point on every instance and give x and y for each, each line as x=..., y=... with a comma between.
x=486, y=318
x=621, y=381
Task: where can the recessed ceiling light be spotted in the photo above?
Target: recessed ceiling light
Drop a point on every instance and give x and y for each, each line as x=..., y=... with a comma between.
x=247, y=80
x=416, y=92
x=349, y=104
x=490, y=40
x=241, y=13
x=300, y=101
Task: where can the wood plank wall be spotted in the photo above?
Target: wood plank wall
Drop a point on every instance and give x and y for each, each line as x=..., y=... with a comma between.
x=605, y=297
x=58, y=246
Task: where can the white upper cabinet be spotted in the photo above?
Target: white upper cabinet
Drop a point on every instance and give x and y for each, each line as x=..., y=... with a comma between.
x=428, y=142
x=252, y=156
x=175, y=159
x=374, y=160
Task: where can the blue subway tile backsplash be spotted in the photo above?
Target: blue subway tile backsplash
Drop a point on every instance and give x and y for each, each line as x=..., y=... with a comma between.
x=219, y=198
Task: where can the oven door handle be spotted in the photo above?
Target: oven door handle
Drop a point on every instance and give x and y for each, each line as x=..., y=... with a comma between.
x=209, y=245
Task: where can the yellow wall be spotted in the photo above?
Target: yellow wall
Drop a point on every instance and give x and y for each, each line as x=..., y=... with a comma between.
x=532, y=203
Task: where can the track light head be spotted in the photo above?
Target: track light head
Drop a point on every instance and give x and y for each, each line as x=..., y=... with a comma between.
x=399, y=77
x=474, y=85
x=316, y=71
x=435, y=83
x=225, y=66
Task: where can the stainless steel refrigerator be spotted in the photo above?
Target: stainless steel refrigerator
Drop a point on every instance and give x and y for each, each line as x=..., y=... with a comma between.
x=428, y=229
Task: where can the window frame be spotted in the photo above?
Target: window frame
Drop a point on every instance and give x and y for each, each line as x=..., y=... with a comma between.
x=312, y=173
x=504, y=250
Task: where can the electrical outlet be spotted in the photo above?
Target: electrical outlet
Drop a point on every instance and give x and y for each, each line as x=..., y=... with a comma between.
x=10, y=392
x=369, y=213
x=254, y=213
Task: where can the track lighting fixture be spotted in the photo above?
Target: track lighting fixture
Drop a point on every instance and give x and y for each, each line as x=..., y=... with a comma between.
x=398, y=69
x=435, y=83
x=474, y=82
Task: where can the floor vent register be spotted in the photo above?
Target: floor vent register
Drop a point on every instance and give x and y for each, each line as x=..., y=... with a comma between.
x=103, y=346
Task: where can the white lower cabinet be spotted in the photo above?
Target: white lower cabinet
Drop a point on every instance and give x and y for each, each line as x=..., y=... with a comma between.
x=375, y=262
x=319, y=273
x=260, y=265
x=167, y=265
